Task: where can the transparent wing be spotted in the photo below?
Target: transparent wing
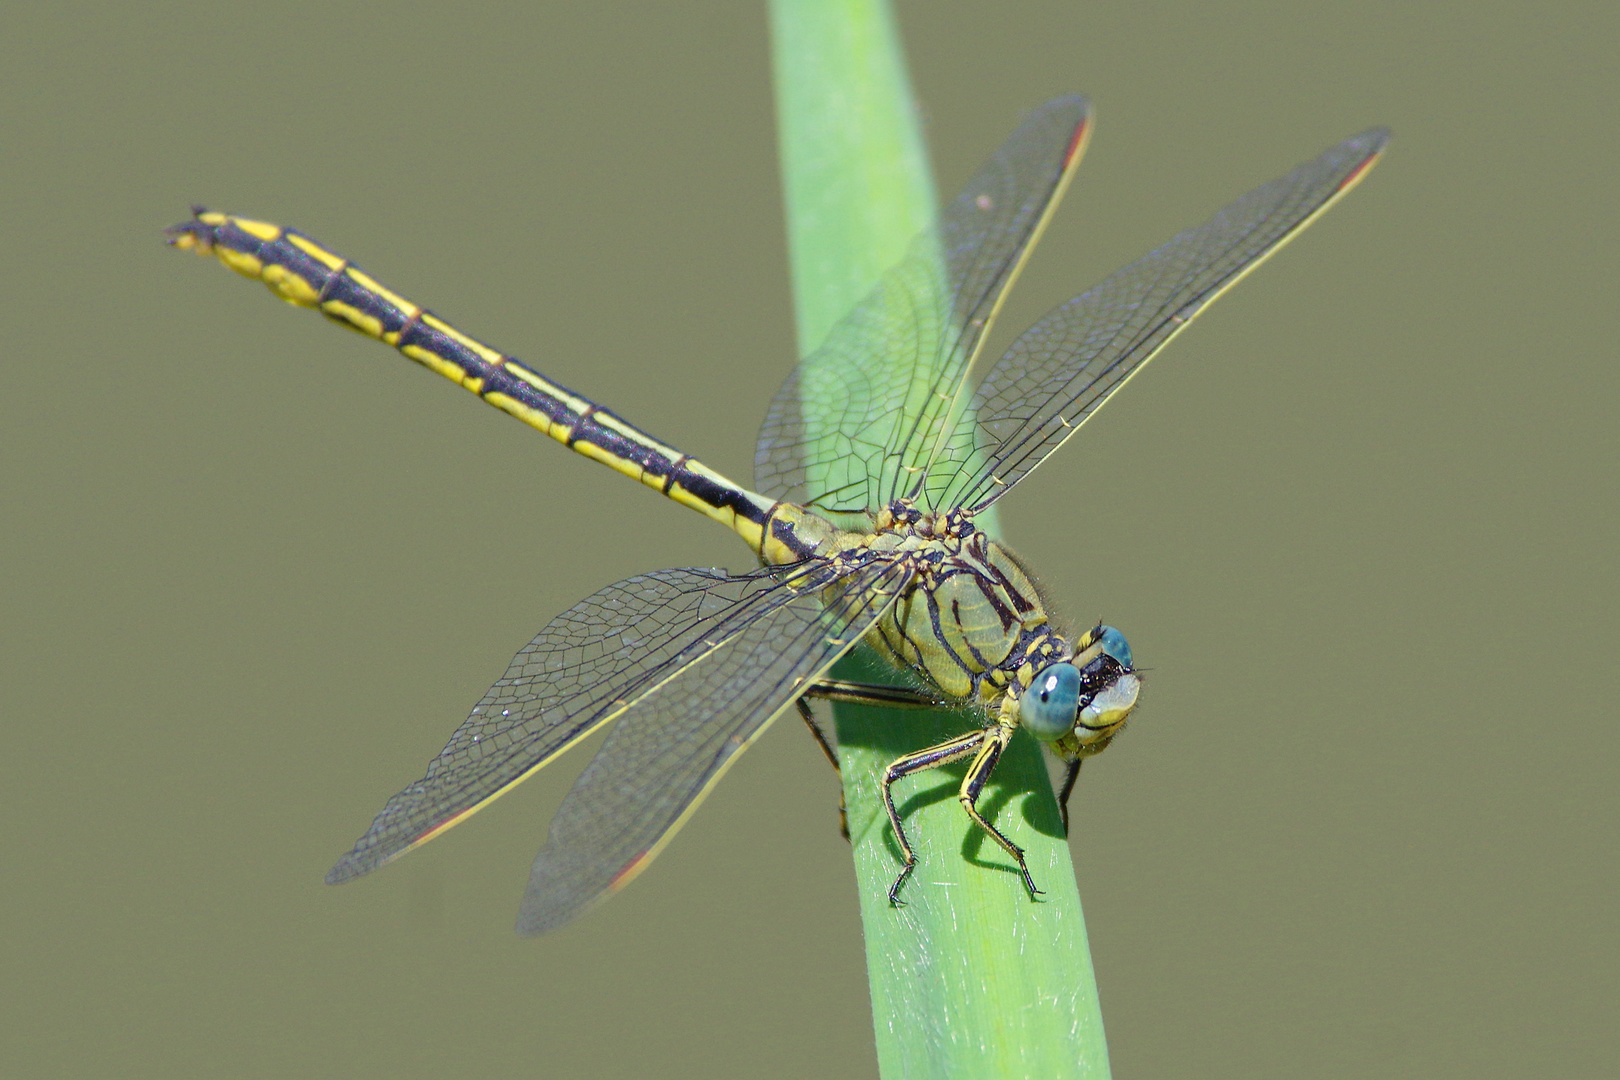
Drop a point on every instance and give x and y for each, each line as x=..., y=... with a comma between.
x=589, y=665
x=1063, y=368
x=664, y=756
x=858, y=418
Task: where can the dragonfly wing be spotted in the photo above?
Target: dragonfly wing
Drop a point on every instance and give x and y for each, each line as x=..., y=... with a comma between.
x=859, y=417
x=661, y=759
x=589, y=665
x=1063, y=368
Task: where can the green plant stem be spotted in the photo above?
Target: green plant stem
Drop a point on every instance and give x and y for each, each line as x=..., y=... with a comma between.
x=971, y=977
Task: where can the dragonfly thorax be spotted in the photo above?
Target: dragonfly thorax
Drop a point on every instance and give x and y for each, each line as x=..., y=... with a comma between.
x=970, y=617
x=973, y=624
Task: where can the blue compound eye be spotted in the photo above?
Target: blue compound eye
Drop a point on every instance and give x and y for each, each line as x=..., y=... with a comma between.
x=1049, y=706
x=1114, y=644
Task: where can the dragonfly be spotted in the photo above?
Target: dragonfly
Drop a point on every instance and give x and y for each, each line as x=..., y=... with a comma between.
x=874, y=461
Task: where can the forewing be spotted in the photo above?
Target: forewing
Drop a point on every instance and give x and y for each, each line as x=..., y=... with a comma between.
x=858, y=418
x=1063, y=368
x=661, y=759
x=587, y=666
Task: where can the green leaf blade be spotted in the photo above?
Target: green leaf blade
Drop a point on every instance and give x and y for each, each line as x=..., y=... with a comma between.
x=971, y=977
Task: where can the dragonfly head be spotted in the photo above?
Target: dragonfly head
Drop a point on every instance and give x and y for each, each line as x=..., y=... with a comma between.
x=1078, y=705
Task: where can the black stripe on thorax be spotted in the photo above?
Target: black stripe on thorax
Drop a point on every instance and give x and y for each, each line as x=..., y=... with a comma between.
x=942, y=641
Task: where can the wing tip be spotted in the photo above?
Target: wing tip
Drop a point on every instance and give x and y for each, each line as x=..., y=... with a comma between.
x=345, y=869
x=1080, y=106
x=1371, y=143
x=537, y=916
x=358, y=863
x=541, y=913
x=362, y=859
x=1077, y=141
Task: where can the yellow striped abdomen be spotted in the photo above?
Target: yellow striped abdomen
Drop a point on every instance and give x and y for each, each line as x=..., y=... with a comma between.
x=302, y=272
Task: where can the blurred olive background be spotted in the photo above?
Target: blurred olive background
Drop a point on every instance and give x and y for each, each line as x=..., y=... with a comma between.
x=1360, y=524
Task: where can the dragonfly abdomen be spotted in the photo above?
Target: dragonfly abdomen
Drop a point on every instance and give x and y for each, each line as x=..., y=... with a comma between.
x=303, y=272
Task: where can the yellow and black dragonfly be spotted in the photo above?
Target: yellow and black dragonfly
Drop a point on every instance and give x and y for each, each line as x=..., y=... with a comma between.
x=873, y=461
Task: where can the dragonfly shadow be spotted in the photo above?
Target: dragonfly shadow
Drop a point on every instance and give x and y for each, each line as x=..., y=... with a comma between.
x=919, y=799
x=1037, y=808
x=990, y=808
x=1020, y=778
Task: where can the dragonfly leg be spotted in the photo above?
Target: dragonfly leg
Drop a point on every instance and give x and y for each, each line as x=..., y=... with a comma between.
x=1069, y=778
x=832, y=759
x=874, y=694
x=933, y=757
x=984, y=764
x=817, y=734
x=857, y=693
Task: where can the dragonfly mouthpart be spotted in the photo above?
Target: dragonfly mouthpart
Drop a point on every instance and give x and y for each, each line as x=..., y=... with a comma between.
x=1109, y=685
x=1105, y=713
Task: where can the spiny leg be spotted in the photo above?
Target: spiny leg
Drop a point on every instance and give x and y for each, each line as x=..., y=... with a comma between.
x=1069, y=778
x=857, y=693
x=875, y=695
x=817, y=734
x=832, y=759
x=978, y=773
x=933, y=757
